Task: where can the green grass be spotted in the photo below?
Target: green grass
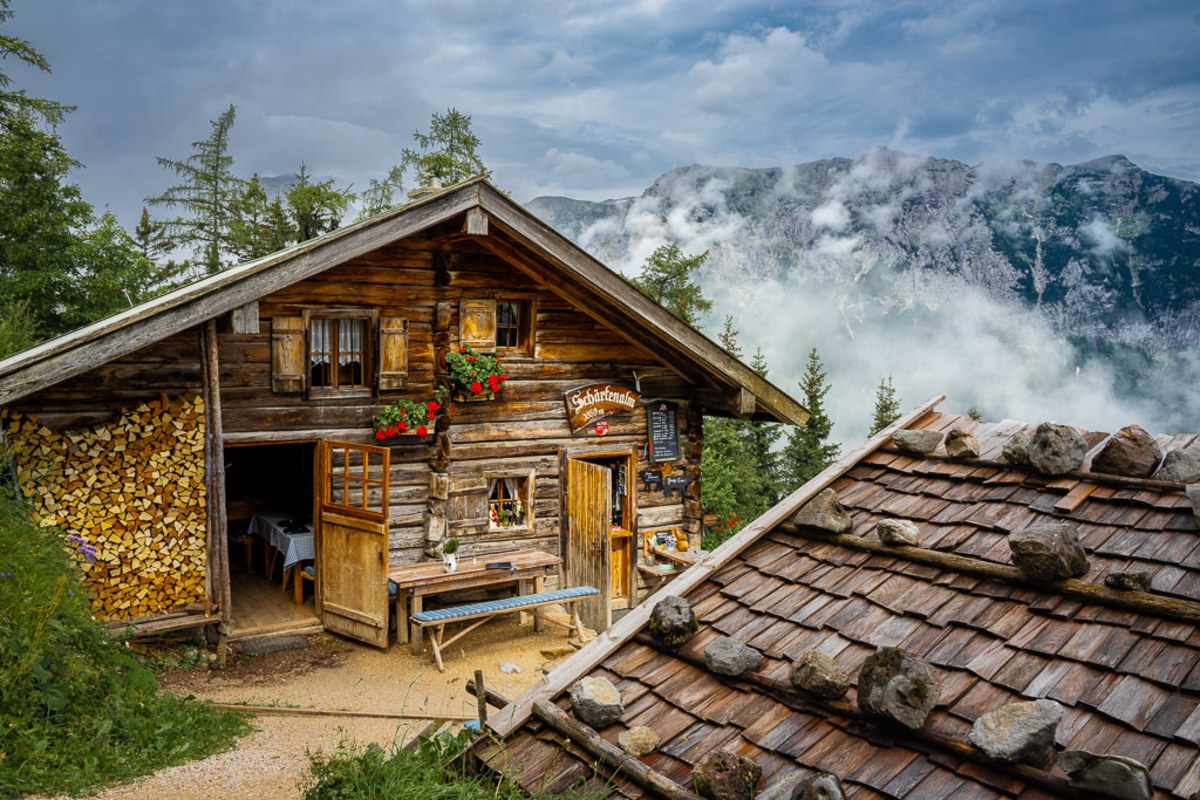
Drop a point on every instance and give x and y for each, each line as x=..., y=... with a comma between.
x=77, y=710
x=429, y=771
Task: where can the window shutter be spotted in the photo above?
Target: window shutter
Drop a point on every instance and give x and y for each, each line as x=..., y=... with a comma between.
x=287, y=354
x=477, y=324
x=393, y=353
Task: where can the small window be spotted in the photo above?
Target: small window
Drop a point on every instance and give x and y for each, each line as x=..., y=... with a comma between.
x=508, y=324
x=508, y=503
x=338, y=353
x=503, y=325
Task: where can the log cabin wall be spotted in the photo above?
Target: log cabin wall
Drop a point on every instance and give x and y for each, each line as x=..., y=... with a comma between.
x=421, y=280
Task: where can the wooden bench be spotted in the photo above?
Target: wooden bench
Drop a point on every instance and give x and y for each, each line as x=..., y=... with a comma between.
x=483, y=611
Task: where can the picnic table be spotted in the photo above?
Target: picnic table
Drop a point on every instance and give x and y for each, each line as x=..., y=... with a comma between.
x=415, y=582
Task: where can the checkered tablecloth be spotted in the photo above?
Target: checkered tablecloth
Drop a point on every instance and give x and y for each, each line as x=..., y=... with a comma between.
x=295, y=545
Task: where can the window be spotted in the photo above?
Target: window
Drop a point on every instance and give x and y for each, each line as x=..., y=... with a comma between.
x=508, y=503
x=508, y=324
x=505, y=326
x=338, y=353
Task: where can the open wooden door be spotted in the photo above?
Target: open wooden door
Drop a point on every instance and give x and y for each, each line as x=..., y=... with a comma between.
x=588, y=555
x=352, y=555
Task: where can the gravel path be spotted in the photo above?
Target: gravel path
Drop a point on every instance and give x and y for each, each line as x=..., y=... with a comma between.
x=335, y=674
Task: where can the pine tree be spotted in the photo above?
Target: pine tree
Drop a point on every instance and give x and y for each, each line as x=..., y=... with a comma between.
x=206, y=195
x=974, y=413
x=666, y=278
x=763, y=436
x=887, y=405
x=808, y=449
x=380, y=195
x=449, y=152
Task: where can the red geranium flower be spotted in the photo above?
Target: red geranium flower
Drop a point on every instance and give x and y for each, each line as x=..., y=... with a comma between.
x=422, y=431
x=493, y=383
x=380, y=436
x=402, y=426
x=471, y=359
x=476, y=387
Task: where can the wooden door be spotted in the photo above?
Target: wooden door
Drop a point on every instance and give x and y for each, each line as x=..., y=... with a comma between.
x=589, y=521
x=352, y=557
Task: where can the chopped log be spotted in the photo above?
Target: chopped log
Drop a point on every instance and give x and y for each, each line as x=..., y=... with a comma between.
x=133, y=488
x=609, y=754
x=481, y=697
x=326, y=712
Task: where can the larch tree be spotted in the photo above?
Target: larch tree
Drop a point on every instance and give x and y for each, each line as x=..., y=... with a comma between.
x=887, y=405
x=666, y=278
x=204, y=196
x=449, y=152
x=808, y=449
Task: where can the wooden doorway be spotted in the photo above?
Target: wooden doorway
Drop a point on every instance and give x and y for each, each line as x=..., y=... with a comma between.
x=352, y=541
x=599, y=545
x=276, y=483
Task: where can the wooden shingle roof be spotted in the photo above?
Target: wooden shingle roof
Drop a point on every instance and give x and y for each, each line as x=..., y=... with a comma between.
x=1127, y=672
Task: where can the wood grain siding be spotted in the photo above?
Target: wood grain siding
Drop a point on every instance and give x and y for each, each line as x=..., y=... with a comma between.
x=525, y=428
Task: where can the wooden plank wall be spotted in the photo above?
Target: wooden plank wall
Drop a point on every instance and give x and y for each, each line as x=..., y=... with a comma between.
x=523, y=430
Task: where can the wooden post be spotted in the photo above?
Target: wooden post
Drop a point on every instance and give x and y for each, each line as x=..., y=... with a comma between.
x=609, y=754
x=214, y=479
x=481, y=697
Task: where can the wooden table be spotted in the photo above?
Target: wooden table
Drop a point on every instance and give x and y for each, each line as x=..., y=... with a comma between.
x=415, y=582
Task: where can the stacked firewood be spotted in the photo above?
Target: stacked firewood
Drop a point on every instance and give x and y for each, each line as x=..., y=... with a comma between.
x=130, y=495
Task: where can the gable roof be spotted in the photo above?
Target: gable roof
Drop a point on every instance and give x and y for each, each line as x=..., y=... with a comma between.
x=507, y=229
x=1124, y=665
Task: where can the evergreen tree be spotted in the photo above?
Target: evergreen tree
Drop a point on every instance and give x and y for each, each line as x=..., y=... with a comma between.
x=314, y=208
x=18, y=103
x=41, y=216
x=205, y=195
x=151, y=238
x=449, y=152
x=974, y=413
x=735, y=489
x=59, y=266
x=666, y=278
x=887, y=405
x=763, y=436
x=381, y=194
x=808, y=449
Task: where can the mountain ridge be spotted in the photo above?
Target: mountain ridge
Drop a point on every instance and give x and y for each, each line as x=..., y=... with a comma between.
x=1103, y=253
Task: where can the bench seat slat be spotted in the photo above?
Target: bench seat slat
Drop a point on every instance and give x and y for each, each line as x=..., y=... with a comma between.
x=516, y=603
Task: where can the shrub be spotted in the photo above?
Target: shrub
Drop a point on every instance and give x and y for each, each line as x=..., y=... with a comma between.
x=78, y=711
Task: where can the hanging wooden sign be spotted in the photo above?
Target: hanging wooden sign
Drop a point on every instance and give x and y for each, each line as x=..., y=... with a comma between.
x=596, y=401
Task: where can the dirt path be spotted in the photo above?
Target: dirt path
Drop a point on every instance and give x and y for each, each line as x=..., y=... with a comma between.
x=333, y=673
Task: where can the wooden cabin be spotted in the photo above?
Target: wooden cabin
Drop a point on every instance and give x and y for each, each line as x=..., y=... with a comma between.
x=157, y=435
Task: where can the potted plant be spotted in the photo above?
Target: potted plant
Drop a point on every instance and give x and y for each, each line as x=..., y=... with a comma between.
x=404, y=416
x=450, y=553
x=474, y=375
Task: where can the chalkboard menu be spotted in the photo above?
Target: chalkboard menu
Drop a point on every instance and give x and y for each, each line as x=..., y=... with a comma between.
x=663, y=424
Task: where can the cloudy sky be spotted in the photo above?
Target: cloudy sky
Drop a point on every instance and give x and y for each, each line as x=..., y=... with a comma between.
x=594, y=100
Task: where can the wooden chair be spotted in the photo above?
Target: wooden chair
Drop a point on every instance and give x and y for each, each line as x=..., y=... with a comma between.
x=238, y=514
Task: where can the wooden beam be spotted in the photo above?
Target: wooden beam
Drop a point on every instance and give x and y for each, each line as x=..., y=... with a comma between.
x=324, y=712
x=610, y=755
x=476, y=223
x=1144, y=602
x=217, y=568
x=607, y=642
x=244, y=319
